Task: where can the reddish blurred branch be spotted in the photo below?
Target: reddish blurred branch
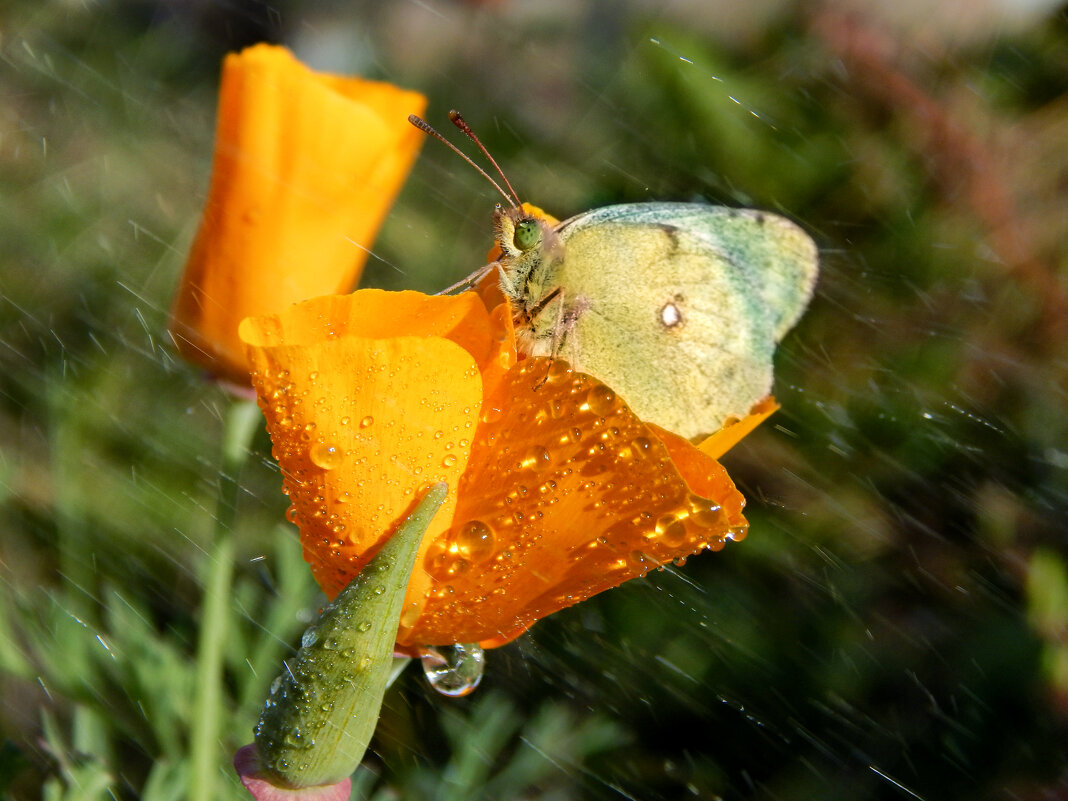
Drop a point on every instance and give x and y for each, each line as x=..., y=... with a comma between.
x=963, y=165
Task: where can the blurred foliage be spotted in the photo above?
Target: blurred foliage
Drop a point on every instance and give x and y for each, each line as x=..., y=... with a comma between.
x=895, y=624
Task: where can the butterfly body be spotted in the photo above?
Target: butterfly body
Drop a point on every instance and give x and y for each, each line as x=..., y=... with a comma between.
x=676, y=306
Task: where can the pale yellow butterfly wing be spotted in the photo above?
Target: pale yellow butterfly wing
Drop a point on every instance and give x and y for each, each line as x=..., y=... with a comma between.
x=677, y=307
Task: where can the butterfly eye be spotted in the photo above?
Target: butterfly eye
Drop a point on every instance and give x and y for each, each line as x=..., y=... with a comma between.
x=527, y=235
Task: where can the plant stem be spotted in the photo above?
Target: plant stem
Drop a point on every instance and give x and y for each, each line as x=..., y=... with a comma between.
x=242, y=420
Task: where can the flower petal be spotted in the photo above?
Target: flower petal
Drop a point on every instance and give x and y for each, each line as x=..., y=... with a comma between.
x=363, y=419
x=306, y=166
x=567, y=493
x=734, y=432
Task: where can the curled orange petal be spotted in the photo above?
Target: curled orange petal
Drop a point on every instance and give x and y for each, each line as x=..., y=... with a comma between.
x=306, y=166
x=362, y=418
x=734, y=431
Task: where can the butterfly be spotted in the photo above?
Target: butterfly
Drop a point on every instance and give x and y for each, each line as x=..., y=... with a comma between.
x=678, y=307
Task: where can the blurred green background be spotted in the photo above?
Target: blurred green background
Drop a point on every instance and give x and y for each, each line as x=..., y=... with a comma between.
x=896, y=624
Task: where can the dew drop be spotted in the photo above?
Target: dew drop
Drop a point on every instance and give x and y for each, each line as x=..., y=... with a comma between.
x=705, y=513
x=410, y=615
x=449, y=460
x=671, y=530
x=453, y=670
x=475, y=541
x=310, y=637
x=367, y=422
x=640, y=446
x=536, y=459
x=640, y=558
x=326, y=456
x=600, y=399
x=558, y=371
x=737, y=532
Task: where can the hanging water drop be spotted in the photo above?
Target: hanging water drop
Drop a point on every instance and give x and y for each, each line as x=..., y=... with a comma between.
x=453, y=670
x=737, y=532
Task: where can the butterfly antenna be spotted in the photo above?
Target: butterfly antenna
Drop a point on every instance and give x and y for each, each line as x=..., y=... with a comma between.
x=424, y=126
x=457, y=119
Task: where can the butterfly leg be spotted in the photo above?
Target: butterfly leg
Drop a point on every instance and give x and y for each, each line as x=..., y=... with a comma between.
x=472, y=279
x=508, y=286
x=567, y=314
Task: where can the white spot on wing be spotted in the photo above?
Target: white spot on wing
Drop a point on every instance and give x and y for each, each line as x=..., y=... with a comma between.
x=670, y=315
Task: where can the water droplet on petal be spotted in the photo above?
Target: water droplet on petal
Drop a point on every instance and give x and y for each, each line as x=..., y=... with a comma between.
x=641, y=559
x=705, y=513
x=558, y=371
x=536, y=459
x=367, y=422
x=326, y=456
x=475, y=542
x=671, y=530
x=449, y=460
x=601, y=399
x=737, y=532
x=453, y=670
x=640, y=446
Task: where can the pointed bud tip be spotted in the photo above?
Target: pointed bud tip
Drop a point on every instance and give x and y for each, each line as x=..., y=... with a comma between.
x=258, y=782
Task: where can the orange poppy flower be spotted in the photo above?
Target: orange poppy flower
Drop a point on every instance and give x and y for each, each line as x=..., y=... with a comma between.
x=306, y=166
x=557, y=491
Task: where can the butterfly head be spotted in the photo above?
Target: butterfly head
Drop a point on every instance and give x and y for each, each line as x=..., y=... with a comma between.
x=530, y=249
x=518, y=232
